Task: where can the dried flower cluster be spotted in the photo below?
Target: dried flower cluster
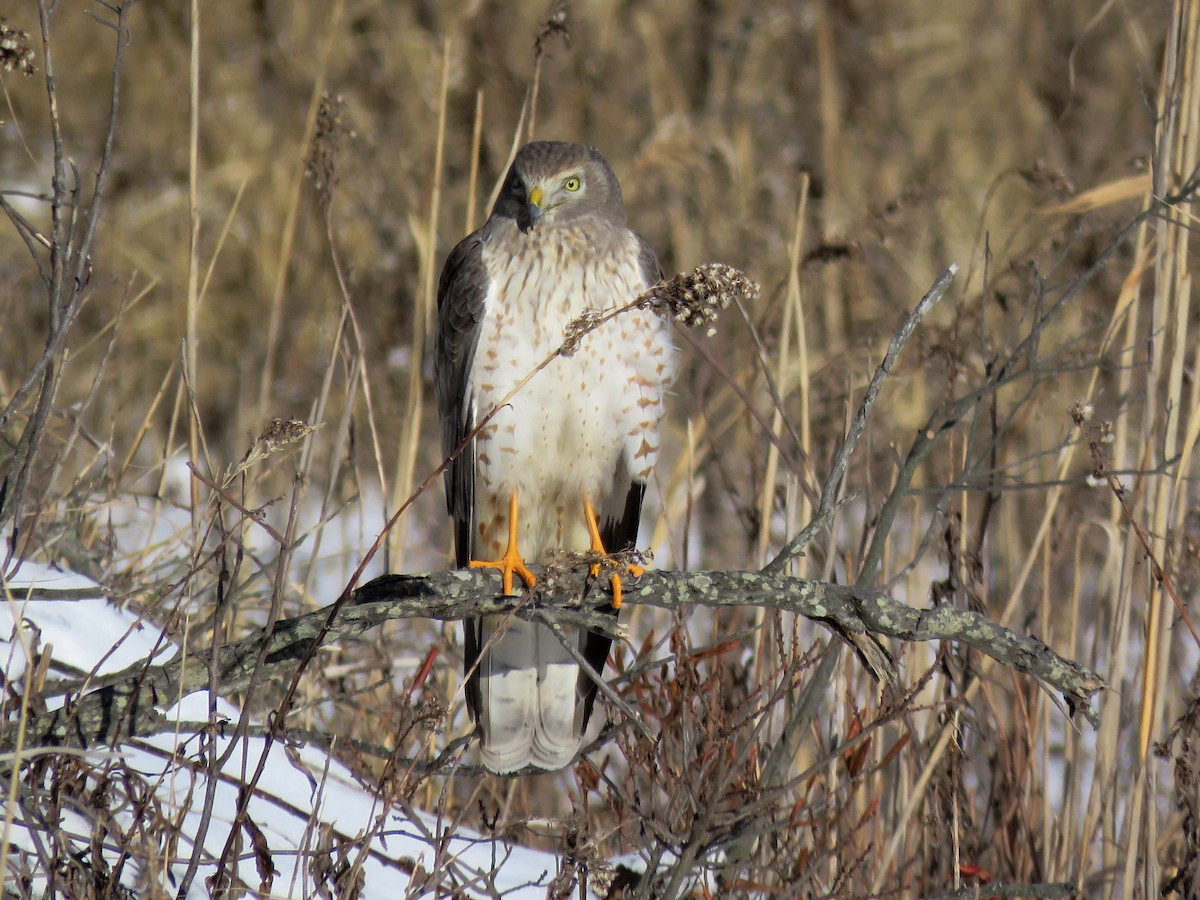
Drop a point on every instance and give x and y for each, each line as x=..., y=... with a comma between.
x=696, y=299
x=16, y=54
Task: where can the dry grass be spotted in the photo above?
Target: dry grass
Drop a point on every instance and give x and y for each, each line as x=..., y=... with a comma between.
x=840, y=153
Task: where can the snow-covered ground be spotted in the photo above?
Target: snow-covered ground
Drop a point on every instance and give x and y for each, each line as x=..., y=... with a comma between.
x=311, y=818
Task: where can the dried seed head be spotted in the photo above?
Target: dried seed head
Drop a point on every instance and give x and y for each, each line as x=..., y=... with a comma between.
x=1081, y=412
x=576, y=330
x=16, y=53
x=431, y=714
x=696, y=298
x=279, y=432
x=693, y=299
x=555, y=25
x=328, y=132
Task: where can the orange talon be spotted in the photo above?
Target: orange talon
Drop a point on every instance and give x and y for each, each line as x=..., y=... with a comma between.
x=598, y=547
x=511, y=561
x=635, y=571
x=594, y=533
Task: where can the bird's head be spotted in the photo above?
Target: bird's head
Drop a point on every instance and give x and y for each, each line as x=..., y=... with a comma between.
x=554, y=182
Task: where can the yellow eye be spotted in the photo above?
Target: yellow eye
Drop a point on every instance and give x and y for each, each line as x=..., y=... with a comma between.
x=571, y=184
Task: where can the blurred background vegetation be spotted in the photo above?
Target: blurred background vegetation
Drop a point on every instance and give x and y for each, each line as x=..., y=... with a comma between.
x=842, y=154
x=922, y=130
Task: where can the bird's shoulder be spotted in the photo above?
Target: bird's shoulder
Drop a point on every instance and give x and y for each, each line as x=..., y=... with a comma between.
x=464, y=268
x=647, y=260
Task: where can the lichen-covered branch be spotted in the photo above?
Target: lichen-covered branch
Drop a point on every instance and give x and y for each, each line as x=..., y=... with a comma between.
x=129, y=703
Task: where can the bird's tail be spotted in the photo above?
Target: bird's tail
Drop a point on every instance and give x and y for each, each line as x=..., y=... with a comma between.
x=530, y=710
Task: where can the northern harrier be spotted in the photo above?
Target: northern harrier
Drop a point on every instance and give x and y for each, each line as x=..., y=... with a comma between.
x=563, y=463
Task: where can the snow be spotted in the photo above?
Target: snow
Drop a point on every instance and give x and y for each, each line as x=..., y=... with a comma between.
x=305, y=803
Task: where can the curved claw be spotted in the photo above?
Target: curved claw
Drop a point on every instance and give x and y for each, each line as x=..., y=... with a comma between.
x=633, y=569
x=511, y=562
x=508, y=565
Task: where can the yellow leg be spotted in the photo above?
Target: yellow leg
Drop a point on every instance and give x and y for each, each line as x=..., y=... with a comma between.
x=511, y=561
x=598, y=547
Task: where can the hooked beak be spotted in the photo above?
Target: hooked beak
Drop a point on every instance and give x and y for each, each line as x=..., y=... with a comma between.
x=535, y=205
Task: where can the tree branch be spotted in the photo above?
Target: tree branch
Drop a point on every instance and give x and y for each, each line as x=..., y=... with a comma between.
x=128, y=703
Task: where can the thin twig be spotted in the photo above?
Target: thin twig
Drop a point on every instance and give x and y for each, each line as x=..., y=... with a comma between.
x=841, y=461
x=64, y=299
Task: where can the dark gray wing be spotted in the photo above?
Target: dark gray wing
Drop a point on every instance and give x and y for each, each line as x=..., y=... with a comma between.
x=462, y=290
x=619, y=528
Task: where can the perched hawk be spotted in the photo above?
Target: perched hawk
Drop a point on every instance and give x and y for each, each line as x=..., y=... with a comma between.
x=563, y=463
